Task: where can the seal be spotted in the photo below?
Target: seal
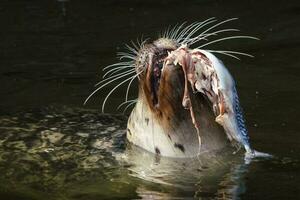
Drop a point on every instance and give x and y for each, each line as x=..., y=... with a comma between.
x=187, y=100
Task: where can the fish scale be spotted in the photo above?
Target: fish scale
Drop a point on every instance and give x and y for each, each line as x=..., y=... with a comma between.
x=240, y=119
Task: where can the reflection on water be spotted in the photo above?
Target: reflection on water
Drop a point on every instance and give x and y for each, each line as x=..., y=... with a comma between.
x=79, y=154
x=218, y=175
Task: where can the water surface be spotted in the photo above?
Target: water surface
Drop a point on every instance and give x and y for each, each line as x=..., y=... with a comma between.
x=51, y=55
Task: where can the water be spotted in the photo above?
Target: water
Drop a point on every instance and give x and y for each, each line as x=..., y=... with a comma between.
x=51, y=55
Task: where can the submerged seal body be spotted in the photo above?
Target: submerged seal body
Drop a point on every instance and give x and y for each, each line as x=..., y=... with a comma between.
x=187, y=100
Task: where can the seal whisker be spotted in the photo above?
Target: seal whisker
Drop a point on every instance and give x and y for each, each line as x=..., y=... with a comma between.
x=117, y=69
x=116, y=76
x=99, y=88
x=118, y=64
x=125, y=102
x=201, y=25
x=228, y=54
x=128, y=56
x=185, y=31
x=228, y=38
x=128, y=87
x=205, y=36
x=182, y=34
x=113, y=73
x=231, y=52
x=192, y=32
x=140, y=43
x=169, y=31
x=218, y=24
x=164, y=32
x=175, y=32
x=107, y=96
x=122, y=53
x=132, y=103
x=133, y=49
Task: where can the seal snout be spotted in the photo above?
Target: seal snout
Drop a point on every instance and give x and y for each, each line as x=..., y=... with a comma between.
x=155, y=54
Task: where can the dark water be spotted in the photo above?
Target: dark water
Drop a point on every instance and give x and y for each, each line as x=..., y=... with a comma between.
x=52, y=147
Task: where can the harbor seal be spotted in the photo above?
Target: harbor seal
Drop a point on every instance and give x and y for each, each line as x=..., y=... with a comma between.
x=187, y=100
